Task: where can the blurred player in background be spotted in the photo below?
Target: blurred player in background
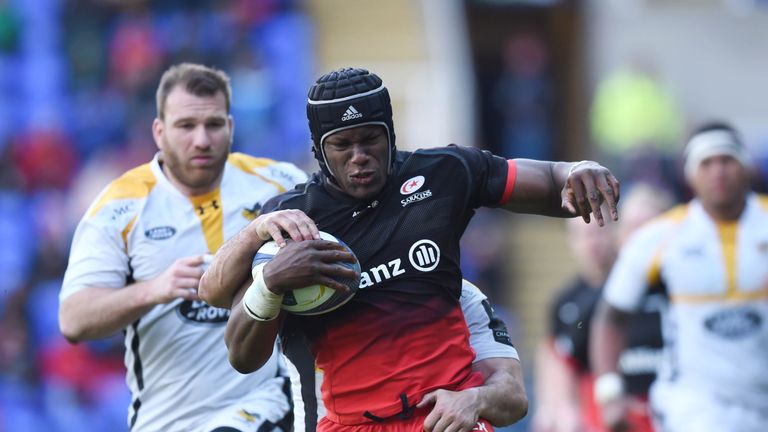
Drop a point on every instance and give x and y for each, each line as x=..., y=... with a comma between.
x=139, y=252
x=711, y=258
x=403, y=212
x=564, y=379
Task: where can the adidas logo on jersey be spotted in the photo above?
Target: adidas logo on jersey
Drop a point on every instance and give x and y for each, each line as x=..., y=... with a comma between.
x=350, y=114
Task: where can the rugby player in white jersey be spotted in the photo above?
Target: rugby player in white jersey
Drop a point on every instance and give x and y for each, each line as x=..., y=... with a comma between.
x=711, y=257
x=138, y=254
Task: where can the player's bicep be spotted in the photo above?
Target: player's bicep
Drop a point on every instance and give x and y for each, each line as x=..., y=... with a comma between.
x=98, y=258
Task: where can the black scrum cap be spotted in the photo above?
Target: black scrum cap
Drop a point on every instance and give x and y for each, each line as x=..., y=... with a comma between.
x=343, y=99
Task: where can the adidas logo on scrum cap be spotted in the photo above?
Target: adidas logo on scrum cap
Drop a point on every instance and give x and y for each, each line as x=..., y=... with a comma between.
x=351, y=113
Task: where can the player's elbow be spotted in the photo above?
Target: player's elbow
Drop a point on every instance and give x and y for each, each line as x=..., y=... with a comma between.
x=209, y=294
x=71, y=323
x=512, y=409
x=245, y=363
x=71, y=328
x=518, y=408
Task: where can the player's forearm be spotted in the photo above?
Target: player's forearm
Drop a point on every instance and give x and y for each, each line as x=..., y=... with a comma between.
x=557, y=398
x=502, y=398
x=606, y=338
x=537, y=187
x=99, y=312
x=250, y=342
x=230, y=269
x=555, y=383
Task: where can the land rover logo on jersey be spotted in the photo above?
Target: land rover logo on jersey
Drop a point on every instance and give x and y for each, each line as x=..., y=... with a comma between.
x=160, y=233
x=734, y=324
x=201, y=312
x=412, y=185
x=424, y=255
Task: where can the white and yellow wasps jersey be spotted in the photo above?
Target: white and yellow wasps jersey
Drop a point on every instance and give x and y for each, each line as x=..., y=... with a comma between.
x=176, y=359
x=716, y=278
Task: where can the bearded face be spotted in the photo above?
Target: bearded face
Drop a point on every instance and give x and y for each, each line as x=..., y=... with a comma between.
x=194, y=137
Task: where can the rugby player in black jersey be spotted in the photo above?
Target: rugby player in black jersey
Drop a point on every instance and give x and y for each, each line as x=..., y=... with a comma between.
x=396, y=357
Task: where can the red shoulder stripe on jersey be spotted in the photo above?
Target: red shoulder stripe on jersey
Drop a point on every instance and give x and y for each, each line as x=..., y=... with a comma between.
x=510, y=186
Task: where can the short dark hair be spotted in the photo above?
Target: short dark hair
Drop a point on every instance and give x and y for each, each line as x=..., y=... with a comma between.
x=197, y=79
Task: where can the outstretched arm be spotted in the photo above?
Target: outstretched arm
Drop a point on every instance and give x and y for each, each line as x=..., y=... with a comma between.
x=231, y=266
x=564, y=189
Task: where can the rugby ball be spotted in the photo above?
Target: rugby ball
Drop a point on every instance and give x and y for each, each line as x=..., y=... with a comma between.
x=314, y=299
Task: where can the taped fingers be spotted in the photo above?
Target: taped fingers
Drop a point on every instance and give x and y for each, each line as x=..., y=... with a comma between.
x=610, y=190
x=594, y=199
x=579, y=197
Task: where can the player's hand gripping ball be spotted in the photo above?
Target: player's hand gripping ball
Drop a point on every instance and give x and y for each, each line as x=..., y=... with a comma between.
x=314, y=299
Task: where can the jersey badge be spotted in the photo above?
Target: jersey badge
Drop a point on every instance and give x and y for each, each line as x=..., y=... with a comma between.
x=500, y=332
x=160, y=233
x=252, y=213
x=411, y=188
x=412, y=185
x=249, y=417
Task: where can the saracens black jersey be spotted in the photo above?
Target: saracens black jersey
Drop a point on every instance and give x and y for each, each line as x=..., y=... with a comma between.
x=403, y=334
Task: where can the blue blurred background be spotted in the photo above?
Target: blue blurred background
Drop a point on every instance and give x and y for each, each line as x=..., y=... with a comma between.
x=617, y=80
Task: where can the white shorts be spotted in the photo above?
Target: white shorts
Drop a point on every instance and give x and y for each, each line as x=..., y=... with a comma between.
x=684, y=408
x=262, y=407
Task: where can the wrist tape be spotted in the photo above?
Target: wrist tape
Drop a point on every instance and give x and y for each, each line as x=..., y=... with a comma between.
x=259, y=302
